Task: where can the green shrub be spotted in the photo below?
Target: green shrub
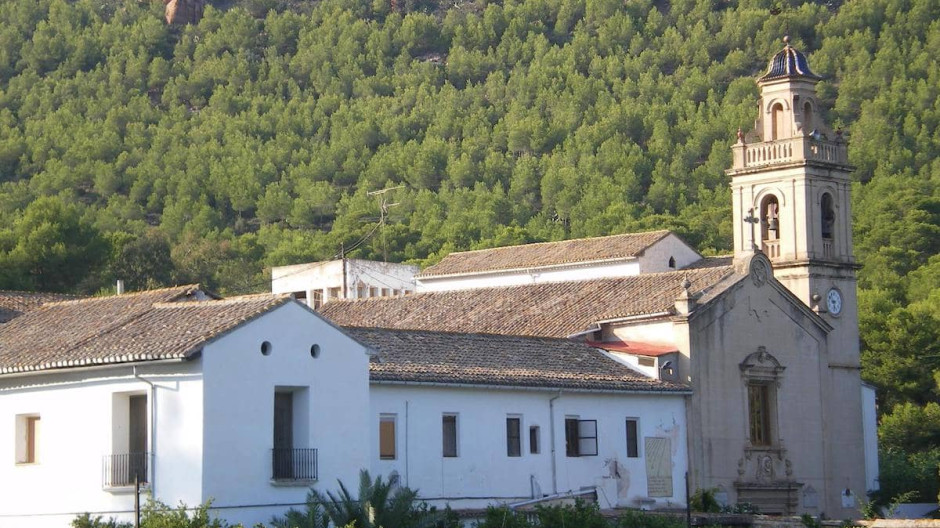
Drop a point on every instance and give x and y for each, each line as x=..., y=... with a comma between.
x=503, y=517
x=582, y=515
x=85, y=520
x=640, y=519
x=155, y=514
x=703, y=500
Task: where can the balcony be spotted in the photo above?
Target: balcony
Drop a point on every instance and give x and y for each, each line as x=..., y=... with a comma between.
x=294, y=464
x=795, y=149
x=121, y=470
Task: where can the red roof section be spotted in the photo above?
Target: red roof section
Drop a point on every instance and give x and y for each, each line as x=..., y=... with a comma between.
x=636, y=348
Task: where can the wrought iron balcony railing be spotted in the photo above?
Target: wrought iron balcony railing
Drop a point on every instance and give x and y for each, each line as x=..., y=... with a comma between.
x=122, y=470
x=294, y=464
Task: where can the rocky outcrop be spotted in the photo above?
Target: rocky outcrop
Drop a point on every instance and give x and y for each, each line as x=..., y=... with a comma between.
x=184, y=11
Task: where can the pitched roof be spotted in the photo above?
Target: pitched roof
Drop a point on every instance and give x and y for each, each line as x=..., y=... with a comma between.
x=548, y=310
x=14, y=303
x=545, y=254
x=151, y=325
x=476, y=359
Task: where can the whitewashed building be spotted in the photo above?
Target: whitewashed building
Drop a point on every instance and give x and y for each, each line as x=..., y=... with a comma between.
x=587, y=258
x=243, y=401
x=316, y=283
x=471, y=420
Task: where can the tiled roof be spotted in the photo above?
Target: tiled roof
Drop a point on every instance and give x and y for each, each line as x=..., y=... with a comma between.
x=157, y=324
x=545, y=254
x=14, y=303
x=788, y=62
x=548, y=310
x=711, y=262
x=477, y=359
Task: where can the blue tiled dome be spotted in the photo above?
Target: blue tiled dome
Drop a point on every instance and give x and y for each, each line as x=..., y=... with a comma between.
x=788, y=62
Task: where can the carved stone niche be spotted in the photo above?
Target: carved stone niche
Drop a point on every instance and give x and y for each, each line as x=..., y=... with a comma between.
x=765, y=474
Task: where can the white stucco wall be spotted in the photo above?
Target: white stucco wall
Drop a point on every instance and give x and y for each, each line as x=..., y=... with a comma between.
x=240, y=384
x=362, y=276
x=656, y=257
x=75, y=409
x=483, y=473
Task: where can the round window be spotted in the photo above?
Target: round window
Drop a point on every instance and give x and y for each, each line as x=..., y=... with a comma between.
x=266, y=348
x=315, y=351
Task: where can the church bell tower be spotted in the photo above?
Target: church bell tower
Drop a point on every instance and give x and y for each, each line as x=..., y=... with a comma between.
x=791, y=197
x=790, y=181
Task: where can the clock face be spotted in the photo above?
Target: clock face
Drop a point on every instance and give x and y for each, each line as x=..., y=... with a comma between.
x=834, y=301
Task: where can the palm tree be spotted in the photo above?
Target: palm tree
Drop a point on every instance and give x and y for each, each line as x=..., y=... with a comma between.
x=379, y=504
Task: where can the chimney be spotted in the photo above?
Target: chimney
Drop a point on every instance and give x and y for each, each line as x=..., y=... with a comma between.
x=685, y=303
x=120, y=287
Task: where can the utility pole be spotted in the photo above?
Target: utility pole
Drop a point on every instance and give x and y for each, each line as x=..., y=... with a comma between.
x=383, y=214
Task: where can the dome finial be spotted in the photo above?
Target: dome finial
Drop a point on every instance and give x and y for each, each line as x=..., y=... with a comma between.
x=786, y=40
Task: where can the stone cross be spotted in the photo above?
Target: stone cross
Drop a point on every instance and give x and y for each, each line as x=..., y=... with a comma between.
x=753, y=220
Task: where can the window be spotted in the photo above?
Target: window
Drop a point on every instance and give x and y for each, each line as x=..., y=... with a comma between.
x=758, y=405
x=672, y=262
x=317, y=300
x=633, y=444
x=387, y=437
x=361, y=292
x=386, y=292
x=763, y=377
x=580, y=437
x=334, y=292
x=828, y=215
x=449, y=426
x=513, y=436
x=27, y=438
x=645, y=361
x=534, y=439
x=373, y=292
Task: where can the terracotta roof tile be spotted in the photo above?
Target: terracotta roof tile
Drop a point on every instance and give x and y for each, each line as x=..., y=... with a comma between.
x=711, y=262
x=14, y=303
x=545, y=254
x=476, y=359
x=548, y=310
x=157, y=324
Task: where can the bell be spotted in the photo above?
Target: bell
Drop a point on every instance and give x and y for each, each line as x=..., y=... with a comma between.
x=772, y=224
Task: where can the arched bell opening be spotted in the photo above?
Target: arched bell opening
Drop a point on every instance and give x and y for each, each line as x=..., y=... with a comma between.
x=770, y=226
x=778, y=128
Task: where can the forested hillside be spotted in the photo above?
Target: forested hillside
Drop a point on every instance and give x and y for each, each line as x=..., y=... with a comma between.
x=157, y=154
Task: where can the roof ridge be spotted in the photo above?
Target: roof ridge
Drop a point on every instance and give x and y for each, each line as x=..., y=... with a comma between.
x=242, y=299
x=465, y=334
x=530, y=244
x=678, y=272
x=185, y=288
